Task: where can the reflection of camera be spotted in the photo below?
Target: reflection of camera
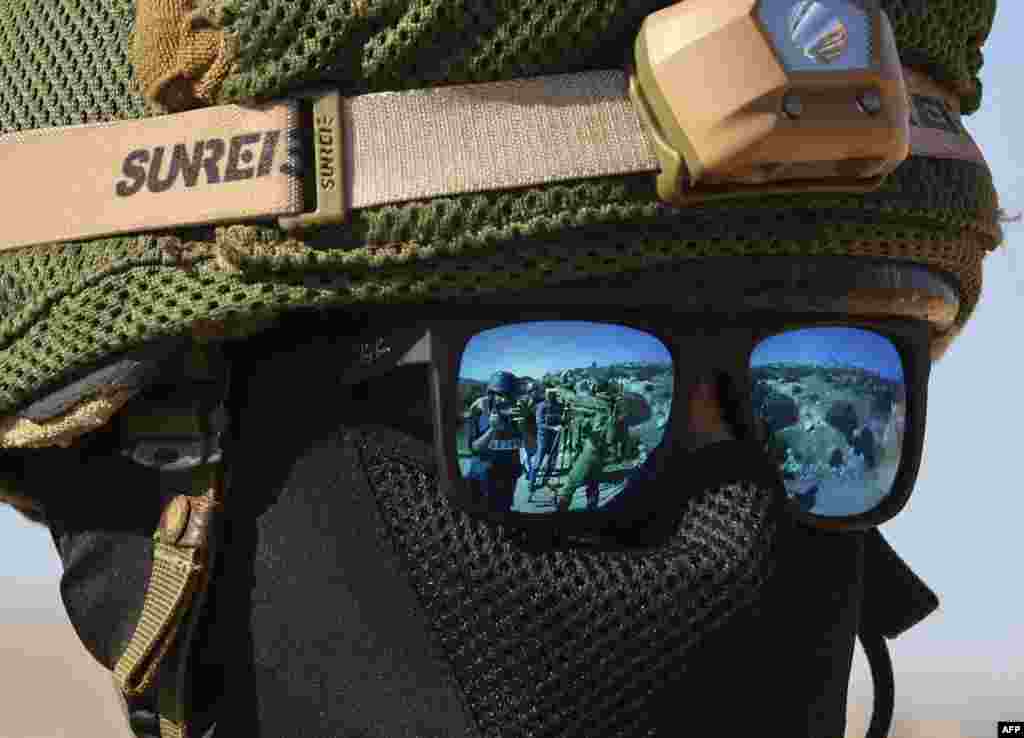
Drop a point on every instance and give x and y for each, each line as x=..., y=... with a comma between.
x=508, y=415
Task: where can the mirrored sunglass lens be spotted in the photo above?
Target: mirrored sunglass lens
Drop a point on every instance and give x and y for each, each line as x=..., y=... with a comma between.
x=834, y=405
x=560, y=415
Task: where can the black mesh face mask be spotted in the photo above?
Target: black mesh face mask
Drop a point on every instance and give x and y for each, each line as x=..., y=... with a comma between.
x=351, y=598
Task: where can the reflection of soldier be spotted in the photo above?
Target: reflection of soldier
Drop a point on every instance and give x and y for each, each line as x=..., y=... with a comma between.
x=600, y=439
x=620, y=444
x=588, y=466
x=495, y=440
x=549, y=420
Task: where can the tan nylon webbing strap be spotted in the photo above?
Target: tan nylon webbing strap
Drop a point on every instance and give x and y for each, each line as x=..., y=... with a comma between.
x=183, y=556
x=173, y=705
x=500, y=135
x=503, y=135
x=218, y=164
x=172, y=582
x=170, y=729
x=398, y=146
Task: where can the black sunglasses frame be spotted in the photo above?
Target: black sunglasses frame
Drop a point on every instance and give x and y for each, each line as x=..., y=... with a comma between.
x=726, y=341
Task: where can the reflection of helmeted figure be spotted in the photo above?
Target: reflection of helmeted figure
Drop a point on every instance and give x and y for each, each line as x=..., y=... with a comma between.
x=619, y=443
x=604, y=441
x=589, y=464
x=549, y=422
x=495, y=466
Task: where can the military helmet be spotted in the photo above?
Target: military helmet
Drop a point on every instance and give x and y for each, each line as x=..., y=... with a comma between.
x=527, y=387
x=85, y=301
x=76, y=296
x=504, y=383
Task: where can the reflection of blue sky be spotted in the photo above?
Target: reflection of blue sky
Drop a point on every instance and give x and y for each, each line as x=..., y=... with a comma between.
x=537, y=348
x=830, y=347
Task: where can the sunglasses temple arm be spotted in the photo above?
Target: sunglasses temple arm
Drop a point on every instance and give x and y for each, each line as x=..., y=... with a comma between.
x=420, y=352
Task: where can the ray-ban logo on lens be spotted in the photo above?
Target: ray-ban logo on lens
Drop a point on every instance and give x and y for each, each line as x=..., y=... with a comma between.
x=370, y=353
x=211, y=161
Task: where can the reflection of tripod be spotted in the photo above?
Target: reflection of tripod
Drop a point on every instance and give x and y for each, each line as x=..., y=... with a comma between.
x=551, y=454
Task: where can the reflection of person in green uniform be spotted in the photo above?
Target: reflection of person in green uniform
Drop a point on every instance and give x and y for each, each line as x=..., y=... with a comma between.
x=620, y=445
x=589, y=465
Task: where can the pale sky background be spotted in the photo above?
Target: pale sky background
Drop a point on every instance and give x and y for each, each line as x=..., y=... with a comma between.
x=962, y=668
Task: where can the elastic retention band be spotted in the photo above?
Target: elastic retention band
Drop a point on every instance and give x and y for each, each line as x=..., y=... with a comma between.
x=231, y=163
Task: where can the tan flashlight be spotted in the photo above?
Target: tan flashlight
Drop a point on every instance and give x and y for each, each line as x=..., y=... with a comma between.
x=757, y=97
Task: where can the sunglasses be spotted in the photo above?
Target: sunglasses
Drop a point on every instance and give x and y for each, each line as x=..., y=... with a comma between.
x=574, y=418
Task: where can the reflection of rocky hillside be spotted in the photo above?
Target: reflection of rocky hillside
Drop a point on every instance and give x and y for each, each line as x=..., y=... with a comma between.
x=656, y=392
x=842, y=424
x=469, y=390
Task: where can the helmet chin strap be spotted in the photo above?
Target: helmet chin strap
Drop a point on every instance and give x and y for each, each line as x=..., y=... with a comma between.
x=882, y=680
x=895, y=600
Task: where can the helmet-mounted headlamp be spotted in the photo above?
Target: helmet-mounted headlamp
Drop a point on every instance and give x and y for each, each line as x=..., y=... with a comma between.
x=745, y=97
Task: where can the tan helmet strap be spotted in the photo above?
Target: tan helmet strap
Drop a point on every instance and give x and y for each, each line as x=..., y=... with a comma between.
x=184, y=554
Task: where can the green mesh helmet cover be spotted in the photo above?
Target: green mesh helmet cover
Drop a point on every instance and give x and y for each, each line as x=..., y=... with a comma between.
x=67, y=307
